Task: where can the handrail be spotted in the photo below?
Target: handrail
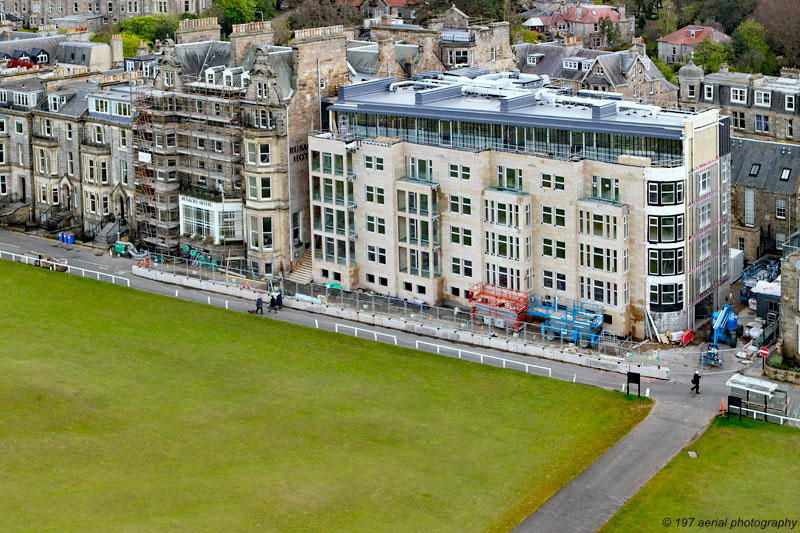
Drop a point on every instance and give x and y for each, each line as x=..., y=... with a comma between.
x=53, y=265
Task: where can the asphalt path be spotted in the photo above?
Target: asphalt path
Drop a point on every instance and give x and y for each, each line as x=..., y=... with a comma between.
x=582, y=505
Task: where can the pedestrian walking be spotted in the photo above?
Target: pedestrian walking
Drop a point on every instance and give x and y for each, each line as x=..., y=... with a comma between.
x=260, y=305
x=696, y=382
x=273, y=304
x=279, y=301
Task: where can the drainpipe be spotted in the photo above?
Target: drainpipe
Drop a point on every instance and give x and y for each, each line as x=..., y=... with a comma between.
x=289, y=187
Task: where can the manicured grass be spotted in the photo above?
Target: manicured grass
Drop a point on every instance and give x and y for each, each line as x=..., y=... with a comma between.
x=123, y=410
x=744, y=470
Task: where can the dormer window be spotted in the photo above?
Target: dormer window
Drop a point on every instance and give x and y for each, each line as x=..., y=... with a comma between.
x=210, y=77
x=570, y=64
x=168, y=79
x=763, y=98
x=587, y=65
x=692, y=33
x=54, y=103
x=532, y=60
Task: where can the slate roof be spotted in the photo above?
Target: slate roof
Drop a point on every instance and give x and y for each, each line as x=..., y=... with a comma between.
x=615, y=64
x=48, y=44
x=773, y=158
x=76, y=104
x=279, y=59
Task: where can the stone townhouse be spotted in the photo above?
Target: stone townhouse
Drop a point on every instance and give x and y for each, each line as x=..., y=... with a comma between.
x=81, y=142
x=36, y=13
x=630, y=73
x=762, y=107
x=421, y=190
x=222, y=144
x=764, y=195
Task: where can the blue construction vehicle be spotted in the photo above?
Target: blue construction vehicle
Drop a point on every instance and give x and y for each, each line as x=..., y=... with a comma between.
x=724, y=327
x=572, y=320
x=763, y=269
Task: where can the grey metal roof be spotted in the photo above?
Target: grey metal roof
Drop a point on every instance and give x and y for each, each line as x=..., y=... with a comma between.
x=772, y=157
x=48, y=44
x=374, y=97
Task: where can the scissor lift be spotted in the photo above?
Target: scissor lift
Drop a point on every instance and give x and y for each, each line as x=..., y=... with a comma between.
x=498, y=306
x=572, y=320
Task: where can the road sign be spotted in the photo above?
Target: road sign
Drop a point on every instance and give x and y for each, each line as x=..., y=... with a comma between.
x=764, y=351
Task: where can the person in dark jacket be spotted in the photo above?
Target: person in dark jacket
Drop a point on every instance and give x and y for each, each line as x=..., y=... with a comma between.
x=273, y=304
x=279, y=300
x=696, y=382
x=260, y=305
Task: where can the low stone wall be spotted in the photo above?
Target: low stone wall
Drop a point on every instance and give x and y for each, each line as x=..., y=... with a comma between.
x=601, y=362
x=782, y=375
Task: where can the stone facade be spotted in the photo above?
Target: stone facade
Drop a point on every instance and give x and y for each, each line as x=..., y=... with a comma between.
x=487, y=46
x=764, y=196
x=790, y=305
x=72, y=165
x=36, y=13
x=197, y=30
x=760, y=107
x=242, y=153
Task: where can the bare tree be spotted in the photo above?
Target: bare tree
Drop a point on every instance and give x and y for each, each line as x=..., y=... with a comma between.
x=781, y=19
x=317, y=13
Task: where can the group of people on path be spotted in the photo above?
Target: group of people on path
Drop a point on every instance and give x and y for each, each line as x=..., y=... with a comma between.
x=275, y=303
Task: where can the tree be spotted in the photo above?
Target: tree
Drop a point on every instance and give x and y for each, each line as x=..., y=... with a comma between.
x=781, y=20
x=315, y=13
x=710, y=55
x=150, y=28
x=230, y=12
x=610, y=31
x=751, y=49
x=667, y=18
x=729, y=13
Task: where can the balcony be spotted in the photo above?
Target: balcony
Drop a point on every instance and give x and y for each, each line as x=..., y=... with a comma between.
x=210, y=195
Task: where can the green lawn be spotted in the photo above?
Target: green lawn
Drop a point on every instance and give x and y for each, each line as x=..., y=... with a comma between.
x=744, y=470
x=123, y=410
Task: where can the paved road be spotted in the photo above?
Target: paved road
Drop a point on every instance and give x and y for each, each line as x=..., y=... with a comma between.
x=590, y=499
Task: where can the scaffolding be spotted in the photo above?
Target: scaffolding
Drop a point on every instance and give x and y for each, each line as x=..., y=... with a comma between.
x=499, y=306
x=188, y=141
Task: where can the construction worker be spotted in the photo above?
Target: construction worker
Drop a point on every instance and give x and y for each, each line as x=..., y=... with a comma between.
x=260, y=305
x=695, y=382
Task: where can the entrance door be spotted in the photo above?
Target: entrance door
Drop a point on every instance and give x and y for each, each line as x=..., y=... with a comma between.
x=22, y=188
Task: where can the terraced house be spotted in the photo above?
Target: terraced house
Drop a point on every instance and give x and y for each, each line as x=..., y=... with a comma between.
x=424, y=188
x=69, y=154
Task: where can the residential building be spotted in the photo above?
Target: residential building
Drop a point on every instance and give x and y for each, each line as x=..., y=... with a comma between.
x=764, y=195
x=628, y=73
x=424, y=188
x=221, y=142
x=36, y=13
x=582, y=21
x=67, y=151
x=377, y=8
x=761, y=107
x=679, y=46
